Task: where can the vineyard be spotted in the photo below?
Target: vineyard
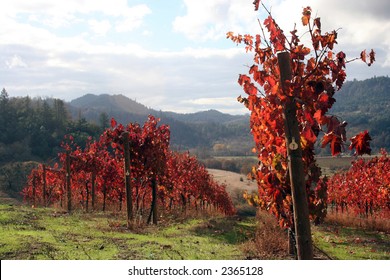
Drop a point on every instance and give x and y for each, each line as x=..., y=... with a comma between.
x=290, y=91
x=364, y=189
x=130, y=166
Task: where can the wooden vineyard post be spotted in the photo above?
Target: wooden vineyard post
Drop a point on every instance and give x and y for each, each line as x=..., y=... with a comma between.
x=295, y=166
x=129, y=199
x=68, y=186
x=291, y=237
x=153, y=209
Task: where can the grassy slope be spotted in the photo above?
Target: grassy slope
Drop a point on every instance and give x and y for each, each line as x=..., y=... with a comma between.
x=28, y=233
x=348, y=243
x=45, y=234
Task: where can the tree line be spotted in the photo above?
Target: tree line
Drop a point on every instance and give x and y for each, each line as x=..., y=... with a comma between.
x=33, y=128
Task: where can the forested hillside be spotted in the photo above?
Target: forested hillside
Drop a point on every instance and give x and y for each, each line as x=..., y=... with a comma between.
x=365, y=105
x=33, y=128
x=203, y=133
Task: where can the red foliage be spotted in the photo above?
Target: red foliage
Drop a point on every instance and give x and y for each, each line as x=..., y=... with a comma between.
x=361, y=143
x=97, y=172
x=317, y=73
x=364, y=189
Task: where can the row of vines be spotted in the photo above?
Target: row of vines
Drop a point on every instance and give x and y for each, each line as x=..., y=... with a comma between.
x=364, y=189
x=159, y=177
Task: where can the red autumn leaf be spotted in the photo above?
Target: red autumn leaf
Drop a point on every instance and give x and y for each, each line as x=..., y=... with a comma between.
x=323, y=98
x=318, y=115
x=306, y=16
x=335, y=143
x=361, y=143
x=372, y=57
x=340, y=79
x=332, y=123
x=277, y=37
x=230, y=35
x=317, y=22
x=113, y=123
x=326, y=139
x=308, y=116
x=300, y=52
x=308, y=134
x=363, y=56
x=243, y=79
x=256, y=3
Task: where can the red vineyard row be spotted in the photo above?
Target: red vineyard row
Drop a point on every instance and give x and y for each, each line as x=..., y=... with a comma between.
x=364, y=189
x=96, y=176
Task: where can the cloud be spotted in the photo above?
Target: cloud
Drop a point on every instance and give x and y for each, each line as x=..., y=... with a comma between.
x=70, y=8
x=70, y=48
x=360, y=24
x=217, y=100
x=225, y=104
x=211, y=20
x=133, y=18
x=163, y=81
x=99, y=27
x=15, y=62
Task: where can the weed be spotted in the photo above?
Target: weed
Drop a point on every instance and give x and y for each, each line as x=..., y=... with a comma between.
x=350, y=220
x=270, y=240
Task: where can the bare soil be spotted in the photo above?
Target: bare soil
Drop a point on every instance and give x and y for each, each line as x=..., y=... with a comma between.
x=233, y=180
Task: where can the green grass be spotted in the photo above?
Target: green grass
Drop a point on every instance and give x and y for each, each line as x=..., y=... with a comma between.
x=40, y=233
x=348, y=243
x=44, y=234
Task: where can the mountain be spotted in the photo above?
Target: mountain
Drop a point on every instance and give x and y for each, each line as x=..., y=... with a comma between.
x=365, y=105
x=200, y=131
x=109, y=103
x=207, y=116
x=91, y=107
x=89, y=104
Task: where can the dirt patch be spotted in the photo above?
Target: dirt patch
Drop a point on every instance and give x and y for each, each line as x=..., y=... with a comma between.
x=32, y=249
x=233, y=180
x=236, y=184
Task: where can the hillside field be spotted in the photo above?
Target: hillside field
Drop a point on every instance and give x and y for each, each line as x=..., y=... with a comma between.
x=48, y=233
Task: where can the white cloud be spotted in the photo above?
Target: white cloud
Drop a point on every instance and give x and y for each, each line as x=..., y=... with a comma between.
x=360, y=24
x=69, y=8
x=99, y=27
x=133, y=18
x=211, y=20
x=226, y=101
x=70, y=48
x=15, y=62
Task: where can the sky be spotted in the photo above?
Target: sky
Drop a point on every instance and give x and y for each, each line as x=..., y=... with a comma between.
x=169, y=55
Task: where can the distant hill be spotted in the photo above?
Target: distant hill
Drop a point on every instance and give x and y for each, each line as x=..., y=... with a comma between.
x=201, y=131
x=365, y=105
x=109, y=103
x=206, y=117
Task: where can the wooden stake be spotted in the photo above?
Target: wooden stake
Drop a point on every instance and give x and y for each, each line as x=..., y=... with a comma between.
x=153, y=208
x=295, y=165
